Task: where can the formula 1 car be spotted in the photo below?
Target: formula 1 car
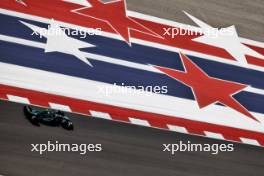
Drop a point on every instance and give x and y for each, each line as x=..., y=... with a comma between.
x=48, y=117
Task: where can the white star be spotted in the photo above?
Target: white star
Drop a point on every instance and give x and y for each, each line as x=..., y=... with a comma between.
x=230, y=42
x=21, y=2
x=80, y=2
x=58, y=41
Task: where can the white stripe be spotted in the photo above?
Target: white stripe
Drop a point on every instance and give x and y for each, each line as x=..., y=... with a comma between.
x=139, y=122
x=214, y=135
x=84, y=89
x=138, y=41
x=178, y=129
x=18, y=99
x=250, y=141
x=106, y=59
x=102, y=115
x=60, y=107
x=254, y=90
x=22, y=41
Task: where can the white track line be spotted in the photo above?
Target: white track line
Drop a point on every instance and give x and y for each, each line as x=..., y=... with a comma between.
x=60, y=107
x=250, y=141
x=139, y=122
x=214, y=135
x=178, y=129
x=18, y=99
x=101, y=115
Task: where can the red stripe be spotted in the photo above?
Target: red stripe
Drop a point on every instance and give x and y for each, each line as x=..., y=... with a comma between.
x=122, y=114
x=60, y=10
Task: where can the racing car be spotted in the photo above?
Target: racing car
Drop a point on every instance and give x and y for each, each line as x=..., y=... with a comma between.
x=48, y=117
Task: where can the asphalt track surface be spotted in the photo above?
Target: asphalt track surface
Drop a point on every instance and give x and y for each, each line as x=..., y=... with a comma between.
x=128, y=149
